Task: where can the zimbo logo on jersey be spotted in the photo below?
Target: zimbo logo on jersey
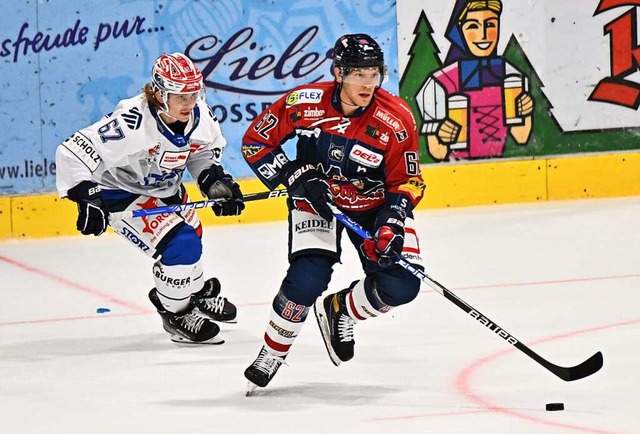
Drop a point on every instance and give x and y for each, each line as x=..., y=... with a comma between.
x=313, y=113
x=493, y=327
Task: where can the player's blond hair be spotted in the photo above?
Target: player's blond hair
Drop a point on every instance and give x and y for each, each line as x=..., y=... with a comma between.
x=150, y=94
x=480, y=5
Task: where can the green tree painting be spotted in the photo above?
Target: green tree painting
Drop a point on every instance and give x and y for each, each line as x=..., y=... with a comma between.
x=548, y=138
x=423, y=61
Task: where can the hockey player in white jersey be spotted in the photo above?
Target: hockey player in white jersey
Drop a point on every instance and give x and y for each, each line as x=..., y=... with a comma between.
x=134, y=158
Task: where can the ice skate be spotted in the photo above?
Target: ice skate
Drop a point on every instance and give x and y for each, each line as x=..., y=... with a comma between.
x=187, y=327
x=336, y=326
x=211, y=303
x=262, y=370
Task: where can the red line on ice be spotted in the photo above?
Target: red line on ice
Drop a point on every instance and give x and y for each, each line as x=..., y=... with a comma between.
x=463, y=380
x=74, y=285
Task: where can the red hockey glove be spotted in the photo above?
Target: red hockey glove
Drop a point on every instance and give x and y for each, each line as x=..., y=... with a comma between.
x=388, y=239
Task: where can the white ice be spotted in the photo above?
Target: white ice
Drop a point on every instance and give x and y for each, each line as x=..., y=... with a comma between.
x=563, y=277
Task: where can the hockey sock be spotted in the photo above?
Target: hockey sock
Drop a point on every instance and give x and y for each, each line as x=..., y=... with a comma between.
x=285, y=322
x=363, y=301
x=176, y=283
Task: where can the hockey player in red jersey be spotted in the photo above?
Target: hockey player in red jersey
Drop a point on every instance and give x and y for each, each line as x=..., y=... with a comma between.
x=134, y=158
x=357, y=148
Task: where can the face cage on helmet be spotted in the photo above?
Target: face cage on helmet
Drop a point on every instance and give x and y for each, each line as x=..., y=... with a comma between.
x=202, y=94
x=382, y=78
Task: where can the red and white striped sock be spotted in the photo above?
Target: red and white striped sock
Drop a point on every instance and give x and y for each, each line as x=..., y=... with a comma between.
x=358, y=304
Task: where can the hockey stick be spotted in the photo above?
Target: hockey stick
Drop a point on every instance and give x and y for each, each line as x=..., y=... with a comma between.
x=584, y=369
x=197, y=205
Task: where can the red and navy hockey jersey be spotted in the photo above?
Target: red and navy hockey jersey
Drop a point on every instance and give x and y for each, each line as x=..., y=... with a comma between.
x=370, y=158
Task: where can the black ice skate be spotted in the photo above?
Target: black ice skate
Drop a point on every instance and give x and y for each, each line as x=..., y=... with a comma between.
x=262, y=370
x=211, y=303
x=336, y=326
x=189, y=326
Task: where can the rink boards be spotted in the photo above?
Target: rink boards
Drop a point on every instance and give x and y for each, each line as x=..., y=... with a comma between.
x=450, y=185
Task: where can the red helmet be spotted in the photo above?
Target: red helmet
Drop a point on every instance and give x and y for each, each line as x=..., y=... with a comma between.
x=176, y=73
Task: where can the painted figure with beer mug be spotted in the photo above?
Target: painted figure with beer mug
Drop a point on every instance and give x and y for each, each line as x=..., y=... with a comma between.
x=470, y=105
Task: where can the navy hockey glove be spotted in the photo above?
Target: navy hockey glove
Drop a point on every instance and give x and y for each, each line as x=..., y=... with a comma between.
x=307, y=189
x=388, y=239
x=215, y=183
x=93, y=216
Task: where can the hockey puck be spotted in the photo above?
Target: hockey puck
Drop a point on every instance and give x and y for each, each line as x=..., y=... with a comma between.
x=555, y=406
x=103, y=310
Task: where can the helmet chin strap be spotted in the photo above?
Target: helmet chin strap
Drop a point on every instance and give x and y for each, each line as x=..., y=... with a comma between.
x=165, y=105
x=166, y=113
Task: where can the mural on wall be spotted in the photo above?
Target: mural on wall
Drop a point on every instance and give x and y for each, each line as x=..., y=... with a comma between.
x=475, y=103
x=66, y=66
x=470, y=104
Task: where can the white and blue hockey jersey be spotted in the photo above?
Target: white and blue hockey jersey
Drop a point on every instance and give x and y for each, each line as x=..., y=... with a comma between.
x=133, y=150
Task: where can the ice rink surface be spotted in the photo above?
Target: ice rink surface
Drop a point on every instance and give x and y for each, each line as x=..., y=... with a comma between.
x=562, y=277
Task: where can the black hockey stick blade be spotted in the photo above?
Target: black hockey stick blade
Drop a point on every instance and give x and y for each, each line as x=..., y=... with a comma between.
x=584, y=369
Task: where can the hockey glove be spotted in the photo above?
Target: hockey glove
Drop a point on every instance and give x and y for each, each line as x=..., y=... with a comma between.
x=215, y=183
x=306, y=188
x=388, y=239
x=93, y=216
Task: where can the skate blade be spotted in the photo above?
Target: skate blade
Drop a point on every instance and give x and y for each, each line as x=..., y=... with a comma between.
x=184, y=341
x=250, y=388
x=323, y=324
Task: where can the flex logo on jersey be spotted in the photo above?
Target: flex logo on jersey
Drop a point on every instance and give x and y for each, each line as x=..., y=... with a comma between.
x=366, y=157
x=172, y=160
x=393, y=122
x=304, y=96
x=81, y=147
